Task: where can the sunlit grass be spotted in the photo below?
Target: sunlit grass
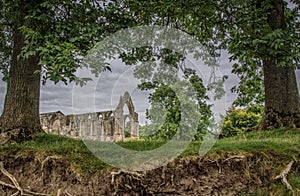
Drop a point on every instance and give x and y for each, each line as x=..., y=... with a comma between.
x=281, y=141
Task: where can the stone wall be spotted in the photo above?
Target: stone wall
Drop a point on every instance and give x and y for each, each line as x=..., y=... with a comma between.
x=102, y=126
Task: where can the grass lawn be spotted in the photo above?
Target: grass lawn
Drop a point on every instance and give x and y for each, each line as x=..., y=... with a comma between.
x=281, y=141
x=284, y=143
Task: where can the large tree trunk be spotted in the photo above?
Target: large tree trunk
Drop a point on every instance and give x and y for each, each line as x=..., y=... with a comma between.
x=281, y=92
x=281, y=97
x=20, y=118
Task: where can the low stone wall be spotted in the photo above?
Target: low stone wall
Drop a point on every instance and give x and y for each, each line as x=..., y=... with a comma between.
x=95, y=126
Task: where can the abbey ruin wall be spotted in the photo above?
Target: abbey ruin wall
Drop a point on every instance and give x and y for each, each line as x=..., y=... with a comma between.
x=101, y=126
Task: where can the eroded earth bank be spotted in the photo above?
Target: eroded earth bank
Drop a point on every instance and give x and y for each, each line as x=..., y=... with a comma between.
x=226, y=174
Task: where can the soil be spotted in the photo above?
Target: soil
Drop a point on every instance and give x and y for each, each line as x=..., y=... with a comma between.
x=229, y=174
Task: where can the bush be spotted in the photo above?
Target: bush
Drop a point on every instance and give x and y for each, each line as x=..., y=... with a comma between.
x=237, y=121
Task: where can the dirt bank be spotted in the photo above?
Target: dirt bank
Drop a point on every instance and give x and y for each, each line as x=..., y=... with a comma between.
x=226, y=174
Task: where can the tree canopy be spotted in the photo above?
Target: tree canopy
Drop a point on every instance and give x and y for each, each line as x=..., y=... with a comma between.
x=262, y=38
x=59, y=32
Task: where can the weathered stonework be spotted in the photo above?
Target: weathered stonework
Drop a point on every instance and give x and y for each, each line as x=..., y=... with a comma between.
x=102, y=126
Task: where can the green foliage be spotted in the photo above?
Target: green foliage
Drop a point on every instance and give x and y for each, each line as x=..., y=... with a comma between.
x=253, y=41
x=178, y=99
x=237, y=121
x=241, y=27
x=175, y=112
x=250, y=89
x=59, y=32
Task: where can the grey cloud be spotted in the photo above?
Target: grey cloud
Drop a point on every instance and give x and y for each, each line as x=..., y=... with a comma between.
x=55, y=97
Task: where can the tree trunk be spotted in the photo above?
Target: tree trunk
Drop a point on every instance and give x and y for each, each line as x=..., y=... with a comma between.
x=281, y=97
x=20, y=118
x=281, y=92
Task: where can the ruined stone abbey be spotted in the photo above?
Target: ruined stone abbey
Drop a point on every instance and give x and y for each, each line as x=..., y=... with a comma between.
x=101, y=126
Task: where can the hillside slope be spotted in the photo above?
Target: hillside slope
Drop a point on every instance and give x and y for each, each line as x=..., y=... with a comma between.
x=247, y=164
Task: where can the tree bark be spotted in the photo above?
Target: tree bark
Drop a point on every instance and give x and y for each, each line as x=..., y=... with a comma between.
x=281, y=97
x=281, y=92
x=20, y=118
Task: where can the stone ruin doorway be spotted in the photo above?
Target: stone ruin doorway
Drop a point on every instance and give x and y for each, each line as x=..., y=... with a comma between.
x=130, y=120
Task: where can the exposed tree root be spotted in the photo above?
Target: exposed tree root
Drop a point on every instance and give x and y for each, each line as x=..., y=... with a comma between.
x=65, y=192
x=283, y=176
x=237, y=157
x=16, y=185
x=68, y=193
x=217, y=162
x=58, y=192
x=133, y=177
x=274, y=119
x=17, y=135
x=133, y=174
x=45, y=161
x=7, y=185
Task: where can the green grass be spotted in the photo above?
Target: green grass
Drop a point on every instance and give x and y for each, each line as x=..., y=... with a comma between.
x=280, y=141
x=283, y=142
x=72, y=150
x=141, y=145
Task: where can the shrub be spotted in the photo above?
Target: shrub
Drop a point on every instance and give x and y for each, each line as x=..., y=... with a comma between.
x=237, y=121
